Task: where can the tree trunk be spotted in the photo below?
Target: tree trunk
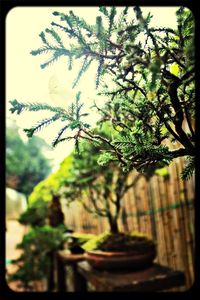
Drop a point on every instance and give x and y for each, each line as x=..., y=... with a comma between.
x=113, y=224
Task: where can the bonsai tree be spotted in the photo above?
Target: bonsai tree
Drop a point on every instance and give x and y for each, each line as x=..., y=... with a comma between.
x=100, y=190
x=40, y=213
x=36, y=214
x=35, y=262
x=46, y=233
x=146, y=74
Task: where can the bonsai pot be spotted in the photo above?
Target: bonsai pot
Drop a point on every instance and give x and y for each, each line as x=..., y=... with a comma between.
x=125, y=260
x=120, y=251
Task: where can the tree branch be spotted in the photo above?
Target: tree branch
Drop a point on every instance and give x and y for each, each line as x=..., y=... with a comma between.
x=161, y=117
x=100, y=211
x=89, y=210
x=135, y=86
x=188, y=122
x=127, y=187
x=181, y=152
x=98, y=137
x=100, y=55
x=185, y=141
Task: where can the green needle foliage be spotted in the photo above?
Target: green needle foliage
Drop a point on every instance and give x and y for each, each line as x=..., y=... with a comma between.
x=152, y=96
x=36, y=214
x=73, y=116
x=189, y=168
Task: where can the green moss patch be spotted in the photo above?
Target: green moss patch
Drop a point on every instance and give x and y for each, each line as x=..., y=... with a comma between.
x=133, y=241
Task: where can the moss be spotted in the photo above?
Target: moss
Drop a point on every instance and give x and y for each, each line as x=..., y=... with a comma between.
x=95, y=242
x=82, y=238
x=137, y=234
x=134, y=241
x=76, y=240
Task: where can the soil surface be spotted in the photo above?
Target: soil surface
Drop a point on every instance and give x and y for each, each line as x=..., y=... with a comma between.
x=124, y=242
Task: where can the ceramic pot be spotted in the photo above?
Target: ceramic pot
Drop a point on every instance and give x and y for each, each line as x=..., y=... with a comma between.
x=120, y=260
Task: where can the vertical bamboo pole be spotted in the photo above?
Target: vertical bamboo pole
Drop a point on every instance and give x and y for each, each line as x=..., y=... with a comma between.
x=172, y=196
x=130, y=206
x=129, y=209
x=164, y=223
x=139, y=207
x=153, y=215
x=170, y=224
x=125, y=212
x=159, y=229
x=145, y=204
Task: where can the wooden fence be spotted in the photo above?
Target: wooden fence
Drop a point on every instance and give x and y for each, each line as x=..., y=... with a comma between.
x=161, y=207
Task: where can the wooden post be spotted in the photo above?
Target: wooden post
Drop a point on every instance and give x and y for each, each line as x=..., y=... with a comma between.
x=61, y=276
x=80, y=284
x=50, y=280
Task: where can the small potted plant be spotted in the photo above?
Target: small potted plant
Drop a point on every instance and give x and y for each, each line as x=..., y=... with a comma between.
x=117, y=251
x=101, y=191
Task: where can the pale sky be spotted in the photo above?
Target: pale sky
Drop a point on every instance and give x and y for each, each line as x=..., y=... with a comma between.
x=27, y=82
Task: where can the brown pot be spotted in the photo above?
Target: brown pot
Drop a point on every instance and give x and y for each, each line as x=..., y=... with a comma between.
x=120, y=260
